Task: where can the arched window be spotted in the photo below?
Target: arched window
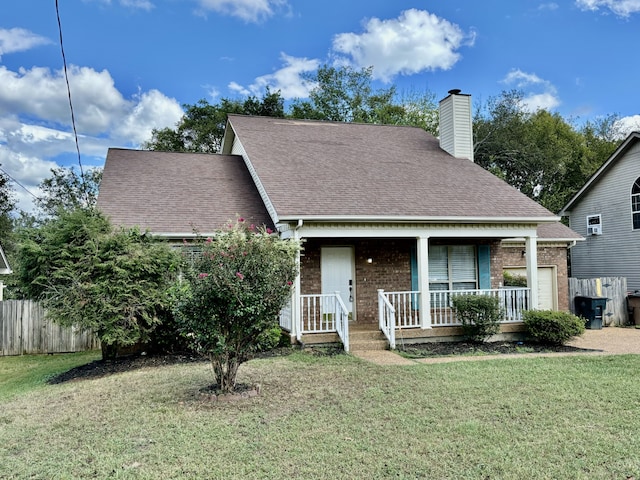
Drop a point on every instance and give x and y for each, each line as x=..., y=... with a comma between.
x=635, y=204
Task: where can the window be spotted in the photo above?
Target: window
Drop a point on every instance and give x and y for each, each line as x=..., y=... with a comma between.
x=635, y=204
x=452, y=267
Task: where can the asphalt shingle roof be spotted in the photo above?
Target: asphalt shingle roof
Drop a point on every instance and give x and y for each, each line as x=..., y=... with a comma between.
x=169, y=192
x=313, y=168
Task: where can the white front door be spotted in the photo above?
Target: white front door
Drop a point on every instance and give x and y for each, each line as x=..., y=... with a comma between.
x=337, y=270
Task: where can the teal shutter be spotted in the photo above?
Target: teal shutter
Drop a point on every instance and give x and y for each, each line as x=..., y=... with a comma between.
x=414, y=268
x=484, y=267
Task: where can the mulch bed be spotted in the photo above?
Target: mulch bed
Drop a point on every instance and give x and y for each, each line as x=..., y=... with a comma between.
x=101, y=368
x=488, y=348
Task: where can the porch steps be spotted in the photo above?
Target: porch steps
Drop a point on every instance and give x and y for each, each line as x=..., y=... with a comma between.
x=367, y=338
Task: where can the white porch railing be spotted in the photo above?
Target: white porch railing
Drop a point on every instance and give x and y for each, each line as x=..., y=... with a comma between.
x=404, y=305
x=387, y=318
x=513, y=300
x=325, y=313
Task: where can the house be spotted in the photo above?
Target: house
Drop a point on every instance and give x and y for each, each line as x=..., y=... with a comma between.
x=394, y=221
x=606, y=210
x=5, y=269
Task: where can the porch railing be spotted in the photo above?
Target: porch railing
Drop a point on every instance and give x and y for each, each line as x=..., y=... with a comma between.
x=324, y=313
x=513, y=300
x=404, y=306
x=387, y=318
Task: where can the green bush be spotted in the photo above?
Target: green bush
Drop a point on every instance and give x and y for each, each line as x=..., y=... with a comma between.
x=480, y=315
x=513, y=280
x=551, y=327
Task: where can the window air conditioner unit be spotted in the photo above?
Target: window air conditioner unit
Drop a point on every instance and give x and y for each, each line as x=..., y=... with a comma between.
x=594, y=230
x=594, y=225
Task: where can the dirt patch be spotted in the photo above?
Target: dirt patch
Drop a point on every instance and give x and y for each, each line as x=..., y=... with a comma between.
x=443, y=349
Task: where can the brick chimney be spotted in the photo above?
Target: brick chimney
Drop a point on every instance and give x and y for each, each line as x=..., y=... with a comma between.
x=456, y=131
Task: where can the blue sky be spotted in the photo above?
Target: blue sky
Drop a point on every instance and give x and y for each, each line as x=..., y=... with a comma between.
x=133, y=63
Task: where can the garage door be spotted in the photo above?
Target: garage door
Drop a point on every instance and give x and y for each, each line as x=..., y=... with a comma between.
x=547, y=289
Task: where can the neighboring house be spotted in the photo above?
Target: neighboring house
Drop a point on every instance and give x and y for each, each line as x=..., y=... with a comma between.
x=5, y=269
x=393, y=221
x=606, y=210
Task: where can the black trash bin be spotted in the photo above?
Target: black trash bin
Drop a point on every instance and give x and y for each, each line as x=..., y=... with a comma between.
x=591, y=309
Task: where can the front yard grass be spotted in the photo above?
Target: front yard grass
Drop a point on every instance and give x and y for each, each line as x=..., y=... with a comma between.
x=334, y=417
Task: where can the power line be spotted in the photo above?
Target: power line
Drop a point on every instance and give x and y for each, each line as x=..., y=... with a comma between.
x=18, y=183
x=73, y=119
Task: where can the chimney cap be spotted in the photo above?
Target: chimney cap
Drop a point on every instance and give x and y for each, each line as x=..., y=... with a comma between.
x=454, y=91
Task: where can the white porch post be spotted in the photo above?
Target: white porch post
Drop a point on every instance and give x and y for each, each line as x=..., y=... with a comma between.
x=295, y=300
x=422, y=251
x=531, y=245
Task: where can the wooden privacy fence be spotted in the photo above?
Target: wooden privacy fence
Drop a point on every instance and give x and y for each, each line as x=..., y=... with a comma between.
x=25, y=330
x=614, y=289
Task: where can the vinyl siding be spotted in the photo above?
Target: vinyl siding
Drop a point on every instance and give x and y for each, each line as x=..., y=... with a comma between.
x=615, y=253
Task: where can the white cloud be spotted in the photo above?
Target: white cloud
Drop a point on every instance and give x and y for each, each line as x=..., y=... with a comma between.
x=35, y=120
x=626, y=125
x=252, y=11
x=289, y=79
x=548, y=6
x=539, y=94
x=19, y=40
x=622, y=8
x=140, y=4
x=414, y=42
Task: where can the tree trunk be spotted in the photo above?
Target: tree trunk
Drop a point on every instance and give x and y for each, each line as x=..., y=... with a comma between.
x=225, y=371
x=109, y=352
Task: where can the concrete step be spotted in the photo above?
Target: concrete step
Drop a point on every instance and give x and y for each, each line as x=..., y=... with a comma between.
x=365, y=345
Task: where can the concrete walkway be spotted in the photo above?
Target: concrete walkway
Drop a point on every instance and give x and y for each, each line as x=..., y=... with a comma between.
x=608, y=341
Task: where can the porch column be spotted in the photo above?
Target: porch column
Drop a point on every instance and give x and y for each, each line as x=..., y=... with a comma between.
x=295, y=297
x=422, y=250
x=531, y=246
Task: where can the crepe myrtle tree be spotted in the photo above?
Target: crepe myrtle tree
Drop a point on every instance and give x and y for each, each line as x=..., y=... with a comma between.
x=230, y=298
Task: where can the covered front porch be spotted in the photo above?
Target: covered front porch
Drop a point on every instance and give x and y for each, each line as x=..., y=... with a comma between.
x=401, y=285
x=324, y=318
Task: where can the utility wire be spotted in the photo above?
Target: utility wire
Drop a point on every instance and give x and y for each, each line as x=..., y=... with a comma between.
x=73, y=119
x=18, y=183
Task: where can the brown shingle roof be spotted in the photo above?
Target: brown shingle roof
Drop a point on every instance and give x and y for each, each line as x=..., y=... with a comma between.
x=557, y=231
x=168, y=192
x=344, y=169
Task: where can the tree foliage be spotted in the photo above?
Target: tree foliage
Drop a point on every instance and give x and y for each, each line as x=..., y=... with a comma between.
x=90, y=275
x=231, y=298
x=7, y=205
x=66, y=189
x=202, y=127
x=539, y=153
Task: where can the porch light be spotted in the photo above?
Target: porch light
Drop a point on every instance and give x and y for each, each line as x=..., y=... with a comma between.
x=369, y=260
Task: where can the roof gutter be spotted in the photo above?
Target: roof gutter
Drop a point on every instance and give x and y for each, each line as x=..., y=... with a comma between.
x=416, y=219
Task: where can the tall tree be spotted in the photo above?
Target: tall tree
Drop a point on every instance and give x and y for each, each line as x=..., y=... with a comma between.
x=343, y=94
x=539, y=153
x=7, y=205
x=65, y=189
x=202, y=127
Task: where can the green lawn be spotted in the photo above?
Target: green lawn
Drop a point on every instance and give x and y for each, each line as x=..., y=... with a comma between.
x=334, y=417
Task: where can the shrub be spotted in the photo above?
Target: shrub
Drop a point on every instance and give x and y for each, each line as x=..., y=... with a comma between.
x=513, y=280
x=480, y=315
x=555, y=328
x=229, y=304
